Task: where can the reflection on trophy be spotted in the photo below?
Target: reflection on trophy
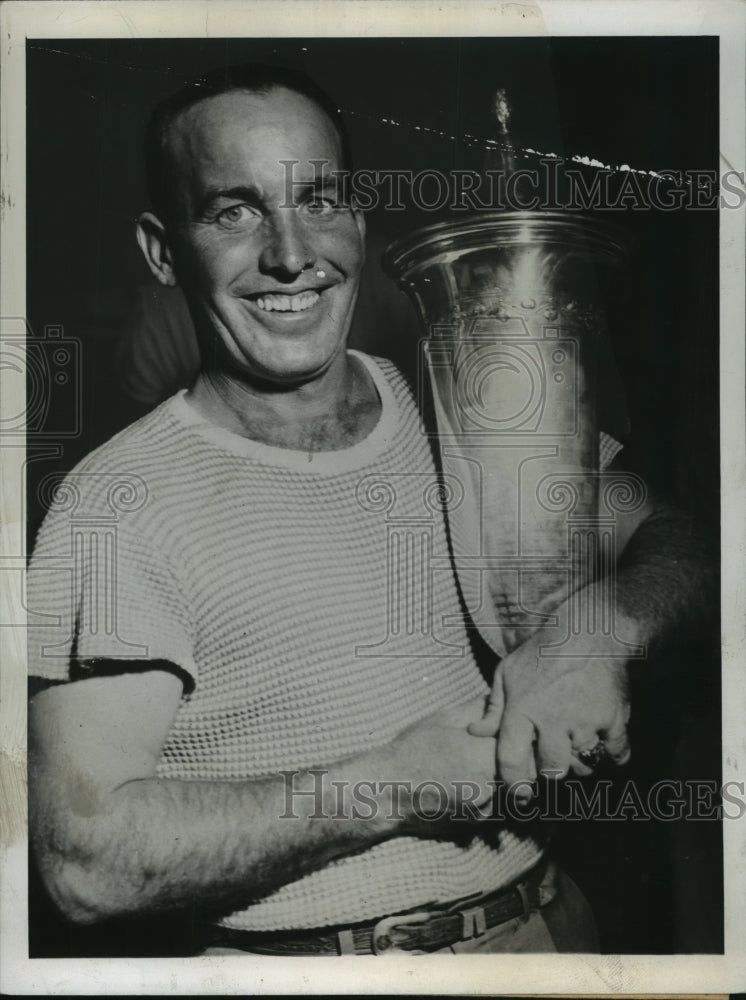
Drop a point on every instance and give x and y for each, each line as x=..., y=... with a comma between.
x=511, y=304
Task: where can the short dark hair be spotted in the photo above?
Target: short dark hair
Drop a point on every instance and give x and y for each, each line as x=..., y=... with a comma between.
x=254, y=78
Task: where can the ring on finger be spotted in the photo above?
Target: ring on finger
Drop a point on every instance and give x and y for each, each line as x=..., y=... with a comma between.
x=592, y=756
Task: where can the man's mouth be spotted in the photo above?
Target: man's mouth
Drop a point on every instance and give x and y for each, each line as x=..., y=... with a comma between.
x=299, y=302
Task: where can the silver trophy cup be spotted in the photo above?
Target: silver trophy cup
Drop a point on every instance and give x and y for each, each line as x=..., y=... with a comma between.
x=513, y=315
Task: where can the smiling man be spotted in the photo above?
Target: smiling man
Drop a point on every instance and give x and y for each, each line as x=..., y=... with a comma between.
x=220, y=723
x=271, y=288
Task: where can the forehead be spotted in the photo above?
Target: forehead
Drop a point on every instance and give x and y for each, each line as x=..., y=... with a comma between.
x=248, y=134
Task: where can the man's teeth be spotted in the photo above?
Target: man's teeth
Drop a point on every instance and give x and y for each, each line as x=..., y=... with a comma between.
x=288, y=303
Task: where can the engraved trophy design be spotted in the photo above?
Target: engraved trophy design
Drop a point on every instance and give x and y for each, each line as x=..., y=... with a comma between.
x=512, y=309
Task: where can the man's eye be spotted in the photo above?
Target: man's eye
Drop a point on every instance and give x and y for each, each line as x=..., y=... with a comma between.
x=320, y=206
x=234, y=216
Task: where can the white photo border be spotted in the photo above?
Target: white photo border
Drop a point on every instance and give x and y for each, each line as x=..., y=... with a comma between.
x=599, y=975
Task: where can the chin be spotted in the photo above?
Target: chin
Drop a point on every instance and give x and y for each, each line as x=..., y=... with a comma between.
x=294, y=366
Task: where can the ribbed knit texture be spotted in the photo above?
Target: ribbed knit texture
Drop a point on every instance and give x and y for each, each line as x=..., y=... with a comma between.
x=270, y=578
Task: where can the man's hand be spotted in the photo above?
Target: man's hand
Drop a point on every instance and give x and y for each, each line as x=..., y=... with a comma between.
x=548, y=708
x=449, y=765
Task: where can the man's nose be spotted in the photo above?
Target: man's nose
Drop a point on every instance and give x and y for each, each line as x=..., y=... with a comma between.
x=286, y=251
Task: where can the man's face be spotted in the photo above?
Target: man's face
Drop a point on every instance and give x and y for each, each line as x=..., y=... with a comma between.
x=276, y=286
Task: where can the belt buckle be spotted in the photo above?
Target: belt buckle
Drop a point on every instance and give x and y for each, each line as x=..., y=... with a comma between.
x=384, y=932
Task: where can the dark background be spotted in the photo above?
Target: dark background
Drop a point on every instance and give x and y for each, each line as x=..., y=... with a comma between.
x=648, y=102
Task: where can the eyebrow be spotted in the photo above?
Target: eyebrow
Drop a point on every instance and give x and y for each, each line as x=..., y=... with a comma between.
x=317, y=184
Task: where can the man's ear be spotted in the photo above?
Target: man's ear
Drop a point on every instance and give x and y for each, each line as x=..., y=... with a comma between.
x=151, y=235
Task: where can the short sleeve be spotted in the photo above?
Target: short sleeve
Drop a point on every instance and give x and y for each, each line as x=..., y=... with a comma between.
x=100, y=591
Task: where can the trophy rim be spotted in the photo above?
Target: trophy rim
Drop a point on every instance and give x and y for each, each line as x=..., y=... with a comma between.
x=582, y=234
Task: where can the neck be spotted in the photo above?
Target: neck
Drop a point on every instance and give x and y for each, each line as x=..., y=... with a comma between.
x=333, y=411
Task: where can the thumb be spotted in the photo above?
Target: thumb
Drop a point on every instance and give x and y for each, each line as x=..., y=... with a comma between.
x=489, y=724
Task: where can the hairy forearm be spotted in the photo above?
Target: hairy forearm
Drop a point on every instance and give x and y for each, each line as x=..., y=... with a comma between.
x=113, y=839
x=666, y=578
x=154, y=844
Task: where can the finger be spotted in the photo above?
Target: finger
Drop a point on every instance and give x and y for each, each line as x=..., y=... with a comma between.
x=584, y=736
x=579, y=768
x=533, y=774
x=515, y=748
x=616, y=740
x=489, y=724
x=553, y=752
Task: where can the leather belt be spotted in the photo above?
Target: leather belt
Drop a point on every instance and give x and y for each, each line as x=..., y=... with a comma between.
x=421, y=931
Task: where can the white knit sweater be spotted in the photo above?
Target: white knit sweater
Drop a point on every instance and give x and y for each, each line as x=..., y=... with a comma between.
x=296, y=593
